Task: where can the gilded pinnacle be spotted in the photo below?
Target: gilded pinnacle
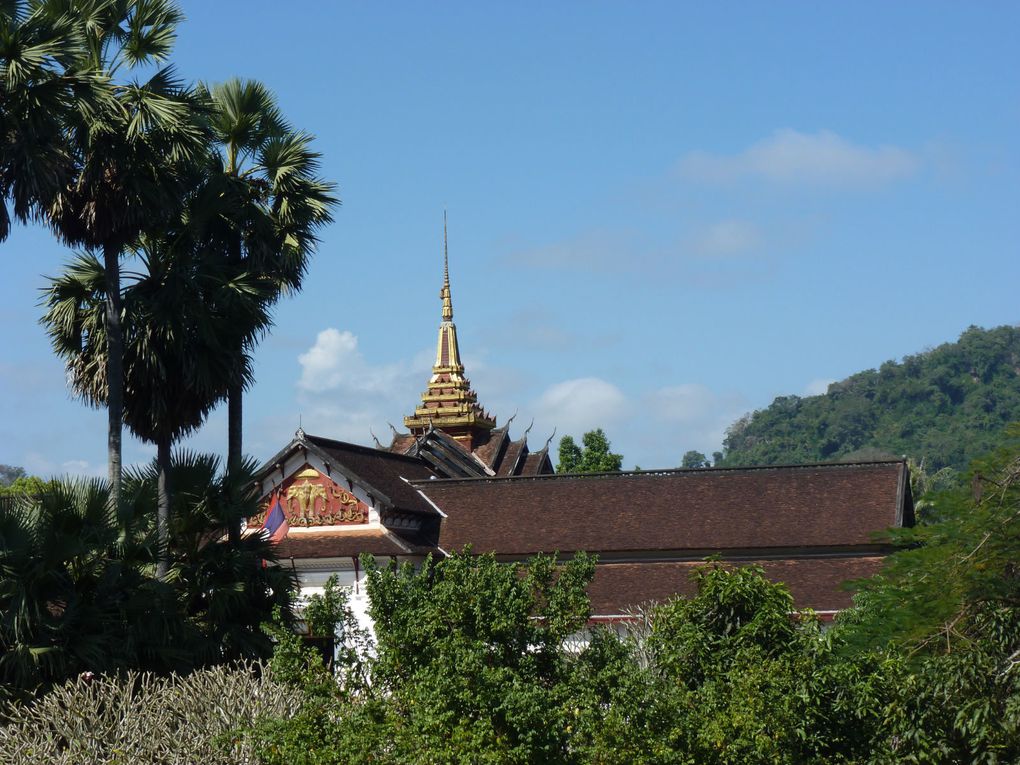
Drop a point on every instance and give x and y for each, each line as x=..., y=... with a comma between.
x=444, y=293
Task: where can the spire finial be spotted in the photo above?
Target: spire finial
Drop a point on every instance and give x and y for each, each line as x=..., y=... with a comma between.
x=444, y=293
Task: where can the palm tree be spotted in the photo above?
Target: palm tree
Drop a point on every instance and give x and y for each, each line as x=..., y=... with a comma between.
x=184, y=316
x=122, y=158
x=261, y=207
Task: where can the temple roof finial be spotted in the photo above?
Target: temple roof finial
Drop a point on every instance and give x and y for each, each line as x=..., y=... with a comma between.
x=444, y=293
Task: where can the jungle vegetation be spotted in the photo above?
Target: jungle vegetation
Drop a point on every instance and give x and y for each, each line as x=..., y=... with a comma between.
x=943, y=407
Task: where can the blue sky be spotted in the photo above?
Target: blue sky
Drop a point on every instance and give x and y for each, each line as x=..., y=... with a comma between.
x=662, y=215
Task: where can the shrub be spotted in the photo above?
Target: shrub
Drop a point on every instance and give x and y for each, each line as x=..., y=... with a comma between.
x=142, y=718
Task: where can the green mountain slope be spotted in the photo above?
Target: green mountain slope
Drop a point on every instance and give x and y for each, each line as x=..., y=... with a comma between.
x=946, y=406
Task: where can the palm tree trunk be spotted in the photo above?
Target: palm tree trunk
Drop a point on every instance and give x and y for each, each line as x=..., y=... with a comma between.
x=235, y=401
x=235, y=430
x=163, y=507
x=114, y=368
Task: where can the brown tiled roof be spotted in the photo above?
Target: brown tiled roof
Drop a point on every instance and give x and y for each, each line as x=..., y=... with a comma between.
x=836, y=505
x=814, y=582
x=346, y=543
x=381, y=470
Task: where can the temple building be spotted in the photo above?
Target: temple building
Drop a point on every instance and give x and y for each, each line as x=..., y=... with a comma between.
x=457, y=478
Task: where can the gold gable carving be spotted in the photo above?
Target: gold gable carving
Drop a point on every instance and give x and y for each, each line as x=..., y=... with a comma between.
x=310, y=499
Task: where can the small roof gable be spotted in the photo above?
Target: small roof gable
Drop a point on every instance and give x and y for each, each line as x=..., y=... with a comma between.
x=538, y=463
x=448, y=457
x=490, y=449
x=515, y=453
x=831, y=505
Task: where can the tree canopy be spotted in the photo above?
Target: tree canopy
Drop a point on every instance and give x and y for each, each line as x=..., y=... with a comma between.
x=694, y=459
x=594, y=456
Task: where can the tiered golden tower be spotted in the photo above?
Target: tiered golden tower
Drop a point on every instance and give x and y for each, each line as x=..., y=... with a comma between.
x=450, y=404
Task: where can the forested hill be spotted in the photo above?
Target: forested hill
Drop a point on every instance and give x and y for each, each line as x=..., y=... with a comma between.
x=946, y=406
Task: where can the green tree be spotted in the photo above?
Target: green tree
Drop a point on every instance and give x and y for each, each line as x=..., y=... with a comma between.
x=593, y=457
x=27, y=485
x=77, y=592
x=569, y=456
x=226, y=590
x=470, y=666
x=694, y=459
x=470, y=650
x=73, y=594
x=946, y=613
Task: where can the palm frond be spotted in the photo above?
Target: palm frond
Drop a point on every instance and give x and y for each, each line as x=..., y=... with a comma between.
x=151, y=31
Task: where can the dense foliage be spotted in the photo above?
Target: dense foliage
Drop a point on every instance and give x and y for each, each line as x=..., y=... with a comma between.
x=469, y=666
x=945, y=406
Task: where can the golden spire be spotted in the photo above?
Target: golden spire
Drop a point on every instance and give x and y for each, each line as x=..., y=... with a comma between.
x=449, y=404
x=444, y=293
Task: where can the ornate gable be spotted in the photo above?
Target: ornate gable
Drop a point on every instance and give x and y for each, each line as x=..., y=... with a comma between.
x=310, y=499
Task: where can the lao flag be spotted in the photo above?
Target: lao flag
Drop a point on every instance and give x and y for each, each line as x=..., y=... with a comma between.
x=276, y=522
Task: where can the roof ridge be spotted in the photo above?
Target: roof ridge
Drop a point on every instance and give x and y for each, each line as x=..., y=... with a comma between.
x=370, y=450
x=666, y=471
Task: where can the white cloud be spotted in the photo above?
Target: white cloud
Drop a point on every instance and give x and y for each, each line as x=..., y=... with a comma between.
x=818, y=387
x=820, y=159
x=725, y=239
x=576, y=406
x=335, y=363
x=342, y=395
